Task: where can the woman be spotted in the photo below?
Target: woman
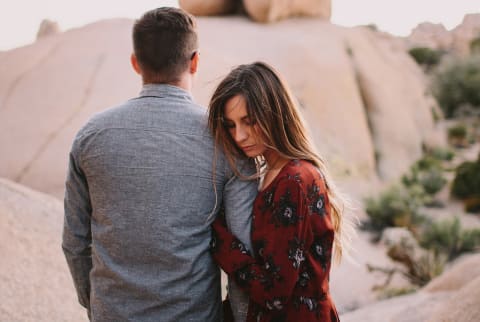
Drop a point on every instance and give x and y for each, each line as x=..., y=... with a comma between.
x=296, y=216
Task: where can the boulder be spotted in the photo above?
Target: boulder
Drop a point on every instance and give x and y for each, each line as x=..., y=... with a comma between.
x=363, y=99
x=462, y=272
x=430, y=35
x=463, y=306
x=47, y=28
x=450, y=297
x=416, y=307
x=397, y=104
x=208, y=8
x=456, y=41
x=267, y=11
x=464, y=33
x=36, y=283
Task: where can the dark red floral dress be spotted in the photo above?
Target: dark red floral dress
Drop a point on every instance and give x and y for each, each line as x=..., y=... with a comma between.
x=287, y=275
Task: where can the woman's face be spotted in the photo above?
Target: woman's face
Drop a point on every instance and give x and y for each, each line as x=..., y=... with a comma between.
x=243, y=130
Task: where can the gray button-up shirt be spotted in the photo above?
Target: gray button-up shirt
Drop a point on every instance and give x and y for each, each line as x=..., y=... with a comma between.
x=139, y=202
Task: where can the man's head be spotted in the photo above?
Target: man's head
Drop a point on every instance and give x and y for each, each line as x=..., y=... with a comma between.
x=165, y=45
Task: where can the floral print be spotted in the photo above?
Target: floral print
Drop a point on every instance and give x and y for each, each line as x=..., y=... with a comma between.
x=292, y=236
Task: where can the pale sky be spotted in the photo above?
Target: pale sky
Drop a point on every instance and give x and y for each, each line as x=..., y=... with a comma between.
x=20, y=19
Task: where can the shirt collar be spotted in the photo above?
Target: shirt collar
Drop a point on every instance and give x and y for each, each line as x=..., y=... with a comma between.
x=165, y=90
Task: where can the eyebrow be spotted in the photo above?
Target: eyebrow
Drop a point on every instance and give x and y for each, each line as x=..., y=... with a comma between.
x=243, y=118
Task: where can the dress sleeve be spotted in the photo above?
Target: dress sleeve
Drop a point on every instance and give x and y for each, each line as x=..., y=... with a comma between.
x=270, y=277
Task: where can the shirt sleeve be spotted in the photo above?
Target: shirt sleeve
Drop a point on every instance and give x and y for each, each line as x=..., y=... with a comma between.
x=76, y=241
x=238, y=197
x=270, y=277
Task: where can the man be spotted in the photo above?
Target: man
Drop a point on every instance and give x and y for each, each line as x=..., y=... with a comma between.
x=143, y=188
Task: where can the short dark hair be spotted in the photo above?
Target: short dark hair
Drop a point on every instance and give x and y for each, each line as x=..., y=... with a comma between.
x=164, y=41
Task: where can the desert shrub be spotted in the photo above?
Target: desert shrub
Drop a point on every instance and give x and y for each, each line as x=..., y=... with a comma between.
x=448, y=238
x=420, y=266
x=425, y=56
x=441, y=154
x=372, y=26
x=472, y=204
x=457, y=85
x=390, y=292
x=458, y=131
x=427, y=173
x=457, y=135
x=475, y=46
x=466, y=183
x=432, y=181
x=395, y=207
x=425, y=269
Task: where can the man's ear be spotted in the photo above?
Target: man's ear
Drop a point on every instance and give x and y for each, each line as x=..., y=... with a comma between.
x=134, y=62
x=194, y=62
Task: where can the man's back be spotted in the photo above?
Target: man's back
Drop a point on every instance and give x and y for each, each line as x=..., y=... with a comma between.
x=144, y=172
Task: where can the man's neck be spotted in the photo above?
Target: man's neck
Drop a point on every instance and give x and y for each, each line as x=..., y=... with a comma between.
x=184, y=83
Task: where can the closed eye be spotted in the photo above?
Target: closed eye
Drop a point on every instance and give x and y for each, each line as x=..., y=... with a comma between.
x=228, y=125
x=248, y=121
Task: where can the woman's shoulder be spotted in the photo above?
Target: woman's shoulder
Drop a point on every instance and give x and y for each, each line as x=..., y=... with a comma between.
x=303, y=172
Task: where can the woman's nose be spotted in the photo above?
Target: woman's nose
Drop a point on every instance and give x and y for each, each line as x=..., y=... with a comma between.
x=240, y=133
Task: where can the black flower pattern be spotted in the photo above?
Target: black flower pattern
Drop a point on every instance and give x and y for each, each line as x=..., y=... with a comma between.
x=268, y=200
x=273, y=273
x=275, y=304
x=286, y=212
x=320, y=250
x=259, y=247
x=317, y=200
x=295, y=252
x=303, y=279
x=244, y=275
x=236, y=244
x=309, y=302
x=295, y=177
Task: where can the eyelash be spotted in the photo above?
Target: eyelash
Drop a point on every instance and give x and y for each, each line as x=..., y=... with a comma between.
x=231, y=125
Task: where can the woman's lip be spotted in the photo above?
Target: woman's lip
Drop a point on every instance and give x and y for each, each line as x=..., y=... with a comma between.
x=249, y=147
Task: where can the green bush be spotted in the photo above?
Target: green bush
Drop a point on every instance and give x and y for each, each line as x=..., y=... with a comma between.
x=425, y=56
x=466, y=183
x=432, y=181
x=441, y=154
x=457, y=135
x=475, y=46
x=472, y=204
x=458, y=131
x=395, y=207
x=449, y=239
x=419, y=269
x=427, y=173
x=458, y=85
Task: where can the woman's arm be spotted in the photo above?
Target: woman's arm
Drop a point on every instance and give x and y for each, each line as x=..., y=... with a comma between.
x=271, y=278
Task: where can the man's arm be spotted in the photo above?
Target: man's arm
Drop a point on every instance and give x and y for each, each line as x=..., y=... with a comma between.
x=238, y=199
x=77, y=236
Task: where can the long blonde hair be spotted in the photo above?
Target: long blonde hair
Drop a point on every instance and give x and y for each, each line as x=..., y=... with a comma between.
x=271, y=106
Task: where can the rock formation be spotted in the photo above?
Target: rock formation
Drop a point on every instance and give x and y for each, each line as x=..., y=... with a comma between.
x=265, y=11
x=34, y=277
x=436, y=36
x=208, y=8
x=364, y=99
x=464, y=33
x=47, y=28
x=441, y=300
x=430, y=35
